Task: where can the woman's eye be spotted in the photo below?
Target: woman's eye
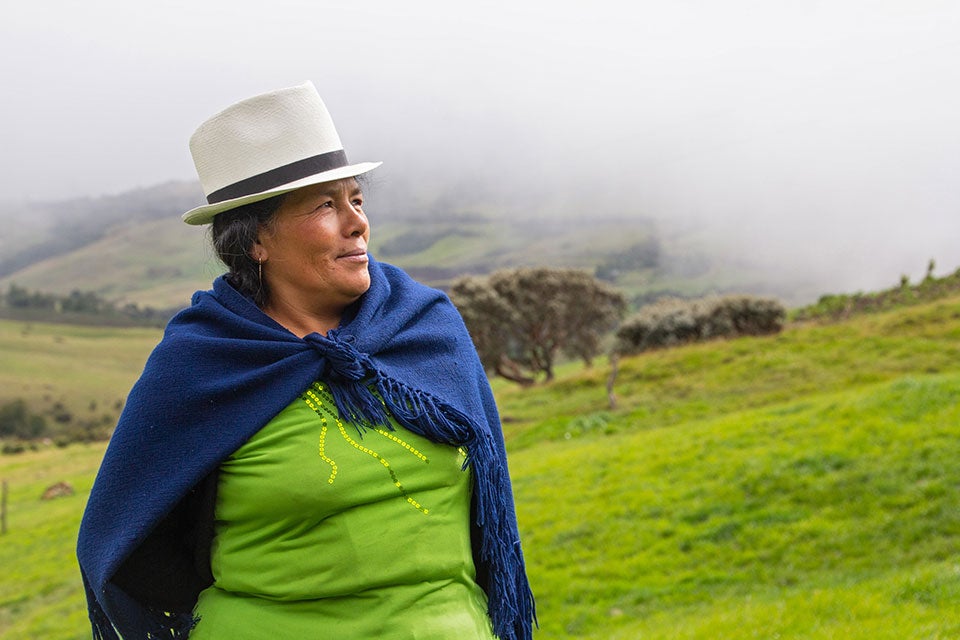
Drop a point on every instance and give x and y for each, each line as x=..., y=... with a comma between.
x=358, y=203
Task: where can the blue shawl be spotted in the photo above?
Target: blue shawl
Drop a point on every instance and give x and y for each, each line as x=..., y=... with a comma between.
x=224, y=369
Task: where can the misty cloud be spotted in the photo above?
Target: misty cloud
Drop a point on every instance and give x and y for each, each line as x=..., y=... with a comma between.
x=815, y=136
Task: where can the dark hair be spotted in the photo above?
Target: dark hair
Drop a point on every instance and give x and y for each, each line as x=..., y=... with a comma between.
x=233, y=234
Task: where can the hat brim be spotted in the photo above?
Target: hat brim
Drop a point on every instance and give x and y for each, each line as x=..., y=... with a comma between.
x=206, y=213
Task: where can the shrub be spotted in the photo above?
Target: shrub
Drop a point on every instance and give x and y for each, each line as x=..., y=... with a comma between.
x=672, y=321
x=667, y=322
x=744, y=316
x=16, y=421
x=12, y=448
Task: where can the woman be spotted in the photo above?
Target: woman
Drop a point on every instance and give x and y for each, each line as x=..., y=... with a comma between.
x=313, y=450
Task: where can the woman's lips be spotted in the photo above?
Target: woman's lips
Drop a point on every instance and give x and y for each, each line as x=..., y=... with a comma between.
x=356, y=255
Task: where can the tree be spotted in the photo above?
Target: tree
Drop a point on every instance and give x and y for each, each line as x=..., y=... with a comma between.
x=17, y=421
x=84, y=302
x=20, y=298
x=522, y=319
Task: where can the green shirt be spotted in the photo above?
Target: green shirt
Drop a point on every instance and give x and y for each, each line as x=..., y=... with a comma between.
x=324, y=533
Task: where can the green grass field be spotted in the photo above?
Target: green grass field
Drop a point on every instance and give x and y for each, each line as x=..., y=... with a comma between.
x=88, y=370
x=796, y=486
x=41, y=596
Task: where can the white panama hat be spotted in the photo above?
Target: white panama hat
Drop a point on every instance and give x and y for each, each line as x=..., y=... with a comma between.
x=265, y=146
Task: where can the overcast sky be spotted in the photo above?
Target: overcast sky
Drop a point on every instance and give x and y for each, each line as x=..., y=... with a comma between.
x=829, y=129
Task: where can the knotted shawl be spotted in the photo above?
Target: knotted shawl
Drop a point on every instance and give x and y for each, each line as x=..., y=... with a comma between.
x=224, y=369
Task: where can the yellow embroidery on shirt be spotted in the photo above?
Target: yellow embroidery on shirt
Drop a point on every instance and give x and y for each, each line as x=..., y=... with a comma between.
x=314, y=402
x=323, y=406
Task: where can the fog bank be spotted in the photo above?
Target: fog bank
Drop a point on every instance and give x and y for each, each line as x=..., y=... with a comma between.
x=818, y=137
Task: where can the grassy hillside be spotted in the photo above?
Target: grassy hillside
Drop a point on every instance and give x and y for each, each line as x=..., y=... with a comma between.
x=86, y=371
x=799, y=486
x=826, y=517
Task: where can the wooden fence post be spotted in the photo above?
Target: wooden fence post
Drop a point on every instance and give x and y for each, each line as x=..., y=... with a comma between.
x=3, y=508
x=614, y=368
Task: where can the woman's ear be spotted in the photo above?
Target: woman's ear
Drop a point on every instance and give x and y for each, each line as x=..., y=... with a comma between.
x=258, y=252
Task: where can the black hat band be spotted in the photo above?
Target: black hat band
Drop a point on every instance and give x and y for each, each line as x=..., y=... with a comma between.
x=280, y=176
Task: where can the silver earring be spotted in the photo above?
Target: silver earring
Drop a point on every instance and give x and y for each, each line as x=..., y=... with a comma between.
x=260, y=271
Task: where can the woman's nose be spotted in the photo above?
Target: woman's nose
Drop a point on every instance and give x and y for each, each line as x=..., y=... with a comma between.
x=356, y=223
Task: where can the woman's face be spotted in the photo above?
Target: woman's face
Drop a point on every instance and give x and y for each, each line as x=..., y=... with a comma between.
x=314, y=252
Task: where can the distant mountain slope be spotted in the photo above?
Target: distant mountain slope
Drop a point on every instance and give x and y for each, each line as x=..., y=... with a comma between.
x=153, y=262
x=132, y=247
x=40, y=231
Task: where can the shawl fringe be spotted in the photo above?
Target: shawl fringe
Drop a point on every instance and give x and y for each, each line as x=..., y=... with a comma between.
x=158, y=625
